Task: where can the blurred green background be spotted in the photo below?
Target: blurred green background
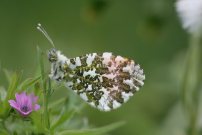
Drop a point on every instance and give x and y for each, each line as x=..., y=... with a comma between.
x=147, y=31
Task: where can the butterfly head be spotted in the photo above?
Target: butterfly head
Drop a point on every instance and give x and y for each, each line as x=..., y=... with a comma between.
x=53, y=55
x=59, y=65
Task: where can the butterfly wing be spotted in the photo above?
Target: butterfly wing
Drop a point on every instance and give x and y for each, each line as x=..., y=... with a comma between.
x=104, y=81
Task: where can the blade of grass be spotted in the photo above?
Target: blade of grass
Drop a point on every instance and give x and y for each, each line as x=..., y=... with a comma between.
x=37, y=120
x=3, y=132
x=8, y=74
x=15, y=79
x=66, y=114
x=193, y=125
x=63, y=118
x=95, y=131
x=45, y=93
x=191, y=83
x=41, y=64
x=28, y=83
x=37, y=88
x=3, y=128
x=56, y=103
x=2, y=93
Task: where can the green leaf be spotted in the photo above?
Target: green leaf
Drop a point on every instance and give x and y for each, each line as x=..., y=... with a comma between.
x=95, y=131
x=28, y=82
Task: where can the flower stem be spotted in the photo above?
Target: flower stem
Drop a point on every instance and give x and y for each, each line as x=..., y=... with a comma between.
x=190, y=84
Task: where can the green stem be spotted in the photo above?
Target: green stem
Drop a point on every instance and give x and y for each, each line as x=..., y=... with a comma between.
x=45, y=91
x=190, y=84
x=46, y=114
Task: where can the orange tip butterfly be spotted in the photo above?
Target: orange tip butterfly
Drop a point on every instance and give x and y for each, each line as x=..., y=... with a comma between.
x=105, y=81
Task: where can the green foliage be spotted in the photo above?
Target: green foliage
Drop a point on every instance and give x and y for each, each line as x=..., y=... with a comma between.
x=52, y=119
x=14, y=81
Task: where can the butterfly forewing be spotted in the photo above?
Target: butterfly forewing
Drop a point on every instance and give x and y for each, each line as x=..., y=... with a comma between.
x=104, y=81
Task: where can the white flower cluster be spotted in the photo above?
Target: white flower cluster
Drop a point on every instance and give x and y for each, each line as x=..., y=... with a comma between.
x=190, y=12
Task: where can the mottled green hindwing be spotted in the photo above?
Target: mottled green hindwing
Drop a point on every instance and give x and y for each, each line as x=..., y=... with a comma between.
x=104, y=81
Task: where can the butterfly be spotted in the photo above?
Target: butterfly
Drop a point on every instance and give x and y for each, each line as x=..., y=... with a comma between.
x=105, y=81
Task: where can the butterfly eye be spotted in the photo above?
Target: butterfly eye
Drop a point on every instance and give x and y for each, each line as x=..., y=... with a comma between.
x=52, y=55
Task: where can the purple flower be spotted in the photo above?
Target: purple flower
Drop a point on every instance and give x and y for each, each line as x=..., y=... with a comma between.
x=24, y=103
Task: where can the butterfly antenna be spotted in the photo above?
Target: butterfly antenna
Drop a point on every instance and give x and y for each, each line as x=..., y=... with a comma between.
x=43, y=31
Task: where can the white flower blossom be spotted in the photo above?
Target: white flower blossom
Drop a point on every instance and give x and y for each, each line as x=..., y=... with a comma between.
x=190, y=12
